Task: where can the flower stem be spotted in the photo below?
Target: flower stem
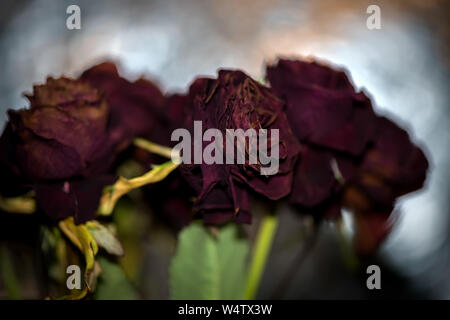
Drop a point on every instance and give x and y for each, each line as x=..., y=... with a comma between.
x=263, y=245
x=153, y=147
x=122, y=186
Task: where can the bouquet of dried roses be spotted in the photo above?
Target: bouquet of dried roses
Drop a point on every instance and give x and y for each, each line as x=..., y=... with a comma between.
x=60, y=161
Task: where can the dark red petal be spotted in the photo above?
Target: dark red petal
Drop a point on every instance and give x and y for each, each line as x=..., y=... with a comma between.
x=79, y=199
x=314, y=180
x=395, y=159
x=47, y=159
x=323, y=107
x=136, y=105
x=303, y=73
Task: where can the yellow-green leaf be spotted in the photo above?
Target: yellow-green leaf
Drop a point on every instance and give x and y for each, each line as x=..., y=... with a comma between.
x=80, y=236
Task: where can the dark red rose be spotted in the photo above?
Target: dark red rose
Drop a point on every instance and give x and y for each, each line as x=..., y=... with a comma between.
x=350, y=156
x=62, y=146
x=69, y=138
x=334, y=123
x=63, y=132
x=235, y=101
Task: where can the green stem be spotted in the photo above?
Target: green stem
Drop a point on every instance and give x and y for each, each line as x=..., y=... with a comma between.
x=263, y=245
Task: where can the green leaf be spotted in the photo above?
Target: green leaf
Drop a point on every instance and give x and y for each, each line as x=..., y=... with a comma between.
x=232, y=252
x=113, y=284
x=208, y=267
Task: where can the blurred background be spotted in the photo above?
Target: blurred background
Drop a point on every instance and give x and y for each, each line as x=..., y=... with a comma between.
x=404, y=66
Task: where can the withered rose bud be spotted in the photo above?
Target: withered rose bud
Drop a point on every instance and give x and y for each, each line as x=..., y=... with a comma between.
x=350, y=157
x=235, y=101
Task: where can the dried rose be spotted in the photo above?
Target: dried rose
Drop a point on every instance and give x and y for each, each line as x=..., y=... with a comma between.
x=350, y=156
x=61, y=147
x=65, y=143
x=235, y=101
